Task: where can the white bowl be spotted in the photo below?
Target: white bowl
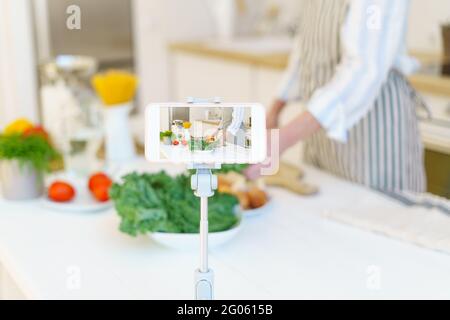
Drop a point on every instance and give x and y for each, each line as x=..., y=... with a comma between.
x=82, y=203
x=191, y=241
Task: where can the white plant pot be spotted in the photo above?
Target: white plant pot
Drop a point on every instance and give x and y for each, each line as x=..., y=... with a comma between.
x=20, y=182
x=119, y=140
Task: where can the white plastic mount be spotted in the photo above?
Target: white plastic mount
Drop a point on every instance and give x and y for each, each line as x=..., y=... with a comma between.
x=203, y=182
x=204, y=285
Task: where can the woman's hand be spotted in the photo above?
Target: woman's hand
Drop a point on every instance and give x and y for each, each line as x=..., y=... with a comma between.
x=300, y=128
x=253, y=172
x=274, y=114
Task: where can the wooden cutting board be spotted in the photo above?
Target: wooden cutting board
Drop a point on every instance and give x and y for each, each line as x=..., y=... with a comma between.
x=290, y=177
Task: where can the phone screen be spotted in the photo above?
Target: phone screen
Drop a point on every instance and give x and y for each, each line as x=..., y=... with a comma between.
x=206, y=134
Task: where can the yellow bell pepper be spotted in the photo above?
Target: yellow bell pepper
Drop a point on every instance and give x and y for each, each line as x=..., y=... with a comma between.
x=187, y=124
x=18, y=126
x=115, y=87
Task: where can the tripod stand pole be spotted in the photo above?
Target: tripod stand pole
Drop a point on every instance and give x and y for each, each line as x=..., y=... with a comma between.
x=203, y=182
x=204, y=234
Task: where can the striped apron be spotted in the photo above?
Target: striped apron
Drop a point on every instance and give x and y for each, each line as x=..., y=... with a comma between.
x=384, y=150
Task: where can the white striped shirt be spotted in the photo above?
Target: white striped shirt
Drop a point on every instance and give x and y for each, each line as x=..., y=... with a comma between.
x=372, y=43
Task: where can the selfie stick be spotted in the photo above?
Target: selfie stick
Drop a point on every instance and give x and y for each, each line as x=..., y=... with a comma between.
x=203, y=182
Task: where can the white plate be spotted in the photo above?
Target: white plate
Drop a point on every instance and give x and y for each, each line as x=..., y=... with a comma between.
x=79, y=204
x=83, y=200
x=191, y=241
x=249, y=213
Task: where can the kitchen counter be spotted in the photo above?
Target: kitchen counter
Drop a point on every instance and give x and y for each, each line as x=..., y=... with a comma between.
x=291, y=251
x=278, y=59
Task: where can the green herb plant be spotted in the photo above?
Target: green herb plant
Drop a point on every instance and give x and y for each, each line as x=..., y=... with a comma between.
x=165, y=134
x=32, y=149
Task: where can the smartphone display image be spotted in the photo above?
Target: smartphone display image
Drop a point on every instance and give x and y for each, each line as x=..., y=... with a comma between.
x=206, y=133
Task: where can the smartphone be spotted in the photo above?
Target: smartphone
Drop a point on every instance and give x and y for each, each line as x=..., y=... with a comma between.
x=205, y=133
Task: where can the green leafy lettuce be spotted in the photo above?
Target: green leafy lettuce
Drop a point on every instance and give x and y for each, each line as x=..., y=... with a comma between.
x=161, y=203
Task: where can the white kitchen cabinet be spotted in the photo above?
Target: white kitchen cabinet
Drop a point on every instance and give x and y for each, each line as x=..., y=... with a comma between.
x=295, y=153
x=266, y=84
x=436, y=133
x=18, y=72
x=200, y=76
x=197, y=76
x=439, y=106
x=436, y=138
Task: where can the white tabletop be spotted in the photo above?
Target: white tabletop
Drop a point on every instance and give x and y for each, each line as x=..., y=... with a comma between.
x=289, y=252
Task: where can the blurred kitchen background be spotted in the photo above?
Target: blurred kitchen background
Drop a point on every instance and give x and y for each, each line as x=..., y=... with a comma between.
x=235, y=49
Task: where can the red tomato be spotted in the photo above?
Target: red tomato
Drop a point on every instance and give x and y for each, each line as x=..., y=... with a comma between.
x=176, y=142
x=99, y=179
x=101, y=193
x=61, y=191
x=36, y=131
